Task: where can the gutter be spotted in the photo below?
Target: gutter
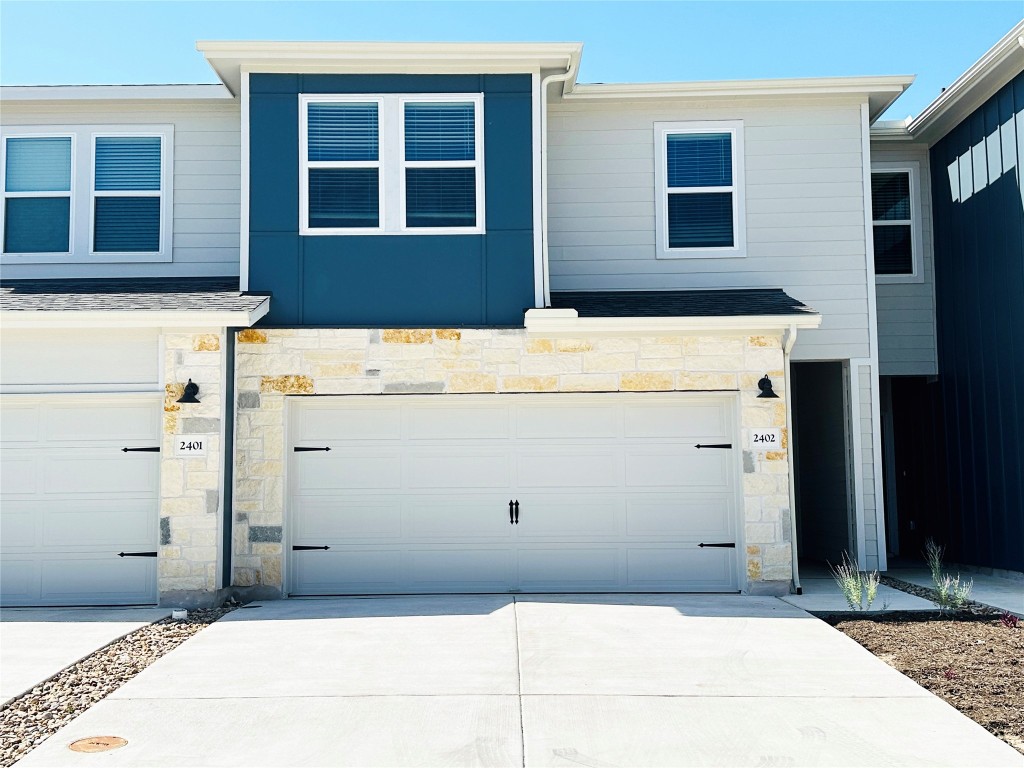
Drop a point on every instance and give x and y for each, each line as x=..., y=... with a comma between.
x=554, y=322
x=788, y=341
x=568, y=76
x=132, y=318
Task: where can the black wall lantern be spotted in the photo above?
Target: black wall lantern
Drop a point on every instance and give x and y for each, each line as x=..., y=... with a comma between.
x=192, y=389
x=765, y=385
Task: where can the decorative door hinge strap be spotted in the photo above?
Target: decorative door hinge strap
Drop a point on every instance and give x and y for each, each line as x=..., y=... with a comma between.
x=302, y=547
x=304, y=449
x=150, y=449
x=728, y=545
x=136, y=554
x=715, y=445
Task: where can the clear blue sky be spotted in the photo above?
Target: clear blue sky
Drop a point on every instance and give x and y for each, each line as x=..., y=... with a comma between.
x=153, y=42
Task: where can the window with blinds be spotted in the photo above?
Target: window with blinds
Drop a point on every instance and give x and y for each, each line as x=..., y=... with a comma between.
x=37, y=194
x=391, y=164
x=127, y=189
x=700, y=187
x=891, y=212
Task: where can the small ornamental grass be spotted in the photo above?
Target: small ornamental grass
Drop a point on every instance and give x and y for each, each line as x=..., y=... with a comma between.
x=950, y=594
x=858, y=587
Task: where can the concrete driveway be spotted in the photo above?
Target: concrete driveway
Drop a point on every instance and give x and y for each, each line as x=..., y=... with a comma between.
x=37, y=643
x=546, y=681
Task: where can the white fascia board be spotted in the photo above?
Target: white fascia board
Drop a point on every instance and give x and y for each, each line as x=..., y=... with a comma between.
x=1000, y=64
x=891, y=130
x=133, y=319
x=228, y=58
x=212, y=92
x=566, y=322
x=881, y=90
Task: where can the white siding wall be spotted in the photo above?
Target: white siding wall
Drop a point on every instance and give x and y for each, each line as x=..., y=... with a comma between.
x=867, y=462
x=207, y=180
x=804, y=207
x=906, y=311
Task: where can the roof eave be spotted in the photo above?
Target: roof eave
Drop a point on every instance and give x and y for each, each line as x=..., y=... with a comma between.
x=160, y=318
x=196, y=92
x=1000, y=64
x=567, y=322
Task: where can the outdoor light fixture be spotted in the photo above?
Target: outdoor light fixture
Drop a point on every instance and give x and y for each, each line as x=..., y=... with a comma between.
x=765, y=385
x=192, y=389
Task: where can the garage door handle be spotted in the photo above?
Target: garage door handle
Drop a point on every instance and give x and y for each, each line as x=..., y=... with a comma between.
x=714, y=445
x=152, y=449
x=729, y=545
x=136, y=554
x=302, y=548
x=517, y=511
x=511, y=519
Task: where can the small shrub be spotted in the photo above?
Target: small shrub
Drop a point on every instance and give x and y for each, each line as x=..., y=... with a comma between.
x=950, y=593
x=949, y=674
x=858, y=587
x=1009, y=620
x=933, y=556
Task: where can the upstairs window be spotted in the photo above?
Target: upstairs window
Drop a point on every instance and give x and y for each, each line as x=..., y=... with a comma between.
x=392, y=164
x=127, y=187
x=699, y=176
x=894, y=195
x=37, y=194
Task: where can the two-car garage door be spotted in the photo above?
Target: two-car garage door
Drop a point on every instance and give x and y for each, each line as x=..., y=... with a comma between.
x=530, y=493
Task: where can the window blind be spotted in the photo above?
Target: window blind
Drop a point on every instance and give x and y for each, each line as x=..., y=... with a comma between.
x=127, y=163
x=440, y=197
x=37, y=224
x=344, y=197
x=440, y=131
x=890, y=196
x=699, y=160
x=126, y=224
x=893, y=250
x=700, y=220
x=40, y=164
x=342, y=132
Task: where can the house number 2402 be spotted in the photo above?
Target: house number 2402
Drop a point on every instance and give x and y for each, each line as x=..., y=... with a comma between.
x=766, y=439
x=190, y=445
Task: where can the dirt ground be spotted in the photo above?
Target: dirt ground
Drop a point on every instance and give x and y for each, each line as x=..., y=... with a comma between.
x=976, y=663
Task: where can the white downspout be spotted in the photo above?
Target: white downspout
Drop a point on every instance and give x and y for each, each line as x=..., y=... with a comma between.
x=788, y=340
x=569, y=74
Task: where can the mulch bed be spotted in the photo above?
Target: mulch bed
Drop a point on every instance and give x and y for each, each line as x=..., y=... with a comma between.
x=974, y=660
x=30, y=719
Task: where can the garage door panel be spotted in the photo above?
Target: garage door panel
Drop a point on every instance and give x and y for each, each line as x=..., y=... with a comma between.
x=99, y=579
x=19, y=575
x=469, y=570
x=568, y=518
x=679, y=516
x=101, y=423
x=115, y=474
x=575, y=568
x=552, y=422
x=366, y=423
x=681, y=421
x=18, y=527
x=677, y=466
x=321, y=520
x=114, y=525
x=20, y=424
x=458, y=468
x=347, y=571
x=569, y=468
x=18, y=475
x=341, y=470
x=677, y=568
x=474, y=518
x=457, y=423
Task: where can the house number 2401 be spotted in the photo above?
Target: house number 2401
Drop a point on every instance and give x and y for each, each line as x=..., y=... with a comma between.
x=190, y=445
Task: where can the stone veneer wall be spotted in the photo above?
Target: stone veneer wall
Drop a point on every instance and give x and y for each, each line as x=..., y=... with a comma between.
x=190, y=488
x=275, y=363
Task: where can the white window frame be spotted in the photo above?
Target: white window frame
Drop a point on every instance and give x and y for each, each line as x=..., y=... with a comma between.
x=83, y=171
x=739, y=226
x=165, y=170
x=913, y=169
x=391, y=162
x=70, y=194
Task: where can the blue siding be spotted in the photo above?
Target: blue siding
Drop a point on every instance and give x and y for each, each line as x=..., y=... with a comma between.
x=979, y=274
x=392, y=280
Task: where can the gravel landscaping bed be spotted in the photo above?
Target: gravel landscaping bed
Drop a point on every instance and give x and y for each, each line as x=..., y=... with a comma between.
x=34, y=716
x=973, y=659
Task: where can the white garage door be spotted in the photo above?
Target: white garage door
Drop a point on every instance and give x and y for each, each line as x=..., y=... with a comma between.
x=413, y=496
x=72, y=499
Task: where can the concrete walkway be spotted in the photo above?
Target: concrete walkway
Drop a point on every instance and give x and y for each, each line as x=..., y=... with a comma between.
x=1004, y=594
x=37, y=643
x=535, y=681
x=822, y=595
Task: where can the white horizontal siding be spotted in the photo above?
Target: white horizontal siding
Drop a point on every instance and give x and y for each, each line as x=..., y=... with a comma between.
x=804, y=200
x=206, y=183
x=906, y=311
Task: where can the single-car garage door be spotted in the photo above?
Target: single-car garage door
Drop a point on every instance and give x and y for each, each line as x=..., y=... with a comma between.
x=73, y=499
x=521, y=493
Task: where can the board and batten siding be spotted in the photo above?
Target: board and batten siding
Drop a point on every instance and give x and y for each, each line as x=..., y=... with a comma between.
x=906, y=311
x=804, y=207
x=206, y=184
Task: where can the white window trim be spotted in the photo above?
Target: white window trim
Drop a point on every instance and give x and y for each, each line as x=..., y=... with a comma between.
x=83, y=170
x=391, y=162
x=165, y=170
x=738, y=187
x=70, y=194
x=913, y=168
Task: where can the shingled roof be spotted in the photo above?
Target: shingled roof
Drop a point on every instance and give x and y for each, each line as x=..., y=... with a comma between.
x=703, y=303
